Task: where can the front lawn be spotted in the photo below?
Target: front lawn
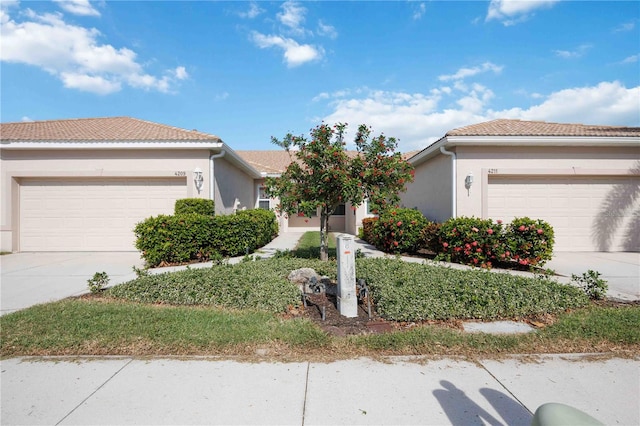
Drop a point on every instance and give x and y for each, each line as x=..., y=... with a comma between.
x=251, y=308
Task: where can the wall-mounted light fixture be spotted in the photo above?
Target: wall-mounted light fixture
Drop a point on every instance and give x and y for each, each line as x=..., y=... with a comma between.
x=198, y=179
x=468, y=181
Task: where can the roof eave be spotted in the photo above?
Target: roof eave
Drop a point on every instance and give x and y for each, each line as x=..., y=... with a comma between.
x=110, y=145
x=238, y=161
x=453, y=141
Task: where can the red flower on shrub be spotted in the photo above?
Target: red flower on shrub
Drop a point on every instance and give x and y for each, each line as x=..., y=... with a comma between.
x=395, y=243
x=475, y=243
x=540, y=231
x=445, y=245
x=499, y=221
x=522, y=228
x=474, y=229
x=399, y=223
x=490, y=231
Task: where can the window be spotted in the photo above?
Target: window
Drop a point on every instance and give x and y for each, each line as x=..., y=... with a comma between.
x=263, y=201
x=368, y=205
x=339, y=211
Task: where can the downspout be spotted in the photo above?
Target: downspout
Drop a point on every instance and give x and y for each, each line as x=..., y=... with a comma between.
x=212, y=191
x=454, y=193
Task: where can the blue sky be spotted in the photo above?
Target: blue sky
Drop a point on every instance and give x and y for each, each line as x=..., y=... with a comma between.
x=246, y=71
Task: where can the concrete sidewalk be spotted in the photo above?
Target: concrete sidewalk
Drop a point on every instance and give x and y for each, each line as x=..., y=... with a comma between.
x=86, y=391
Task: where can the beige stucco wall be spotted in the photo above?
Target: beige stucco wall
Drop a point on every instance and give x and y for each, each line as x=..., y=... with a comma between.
x=232, y=183
x=482, y=161
x=430, y=192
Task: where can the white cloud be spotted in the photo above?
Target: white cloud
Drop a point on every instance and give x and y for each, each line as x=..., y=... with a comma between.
x=295, y=54
x=470, y=72
x=78, y=7
x=577, y=53
x=73, y=54
x=627, y=26
x=630, y=59
x=292, y=16
x=418, y=119
x=253, y=12
x=511, y=12
x=419, y=11
x=327, y=30
x=181, y=73
x=607, y=103
x=89, y=83
x=26, y=119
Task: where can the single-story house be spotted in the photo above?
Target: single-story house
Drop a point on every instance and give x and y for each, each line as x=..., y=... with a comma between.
x=273, y=164
x=582, y=179
x=83, y=184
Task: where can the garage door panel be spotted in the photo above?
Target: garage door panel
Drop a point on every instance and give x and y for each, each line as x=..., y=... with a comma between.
x=95, y=215
x=587, y=212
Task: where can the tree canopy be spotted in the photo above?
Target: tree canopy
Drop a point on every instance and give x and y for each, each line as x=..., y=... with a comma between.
x=323, y=174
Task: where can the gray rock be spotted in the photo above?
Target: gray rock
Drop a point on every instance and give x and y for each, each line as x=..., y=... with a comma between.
x=302, y=277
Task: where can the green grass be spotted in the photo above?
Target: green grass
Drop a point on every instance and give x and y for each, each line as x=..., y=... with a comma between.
x=89, y=327
x=118, y=328
x=309, y=246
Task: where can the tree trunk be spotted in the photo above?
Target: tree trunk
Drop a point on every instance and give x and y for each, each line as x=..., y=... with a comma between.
x=324, y=229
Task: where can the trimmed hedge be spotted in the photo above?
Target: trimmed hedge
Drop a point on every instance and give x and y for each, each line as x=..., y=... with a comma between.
x=195, y=205
x=186, y=238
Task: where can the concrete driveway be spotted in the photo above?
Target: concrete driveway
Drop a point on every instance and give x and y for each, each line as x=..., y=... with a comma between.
x=621, y=270
x=28, y=279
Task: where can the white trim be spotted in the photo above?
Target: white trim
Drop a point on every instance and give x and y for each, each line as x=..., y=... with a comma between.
x=449, y=142
x=172, y=144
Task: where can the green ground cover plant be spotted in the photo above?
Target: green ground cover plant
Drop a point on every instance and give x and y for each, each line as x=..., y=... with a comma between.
x=237, y=309
x=415, y=292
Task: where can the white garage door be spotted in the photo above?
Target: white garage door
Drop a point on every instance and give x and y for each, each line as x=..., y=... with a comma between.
x=587, y=213
x=91, y=215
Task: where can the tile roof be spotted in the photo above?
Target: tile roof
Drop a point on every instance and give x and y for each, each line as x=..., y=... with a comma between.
x=276, y=161
x=503, y=127
x=272, y=161
x=102, y=129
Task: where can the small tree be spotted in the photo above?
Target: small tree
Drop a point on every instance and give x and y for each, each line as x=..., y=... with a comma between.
x=322, y=175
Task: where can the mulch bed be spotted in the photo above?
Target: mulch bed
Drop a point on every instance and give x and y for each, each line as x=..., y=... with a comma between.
x=339, y=325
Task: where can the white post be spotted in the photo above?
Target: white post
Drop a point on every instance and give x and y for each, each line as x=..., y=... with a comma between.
x=347, y=298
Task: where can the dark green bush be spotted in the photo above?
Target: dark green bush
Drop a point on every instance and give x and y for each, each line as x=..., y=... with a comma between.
x=414, y=292
x=399, y=231
x=165, y=240
x=195, y=205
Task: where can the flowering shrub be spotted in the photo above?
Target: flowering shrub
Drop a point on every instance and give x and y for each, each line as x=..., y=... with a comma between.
x=529, y=241
x=481, y=242
x=399, y=231
x=469, y=240
x=368, y=225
